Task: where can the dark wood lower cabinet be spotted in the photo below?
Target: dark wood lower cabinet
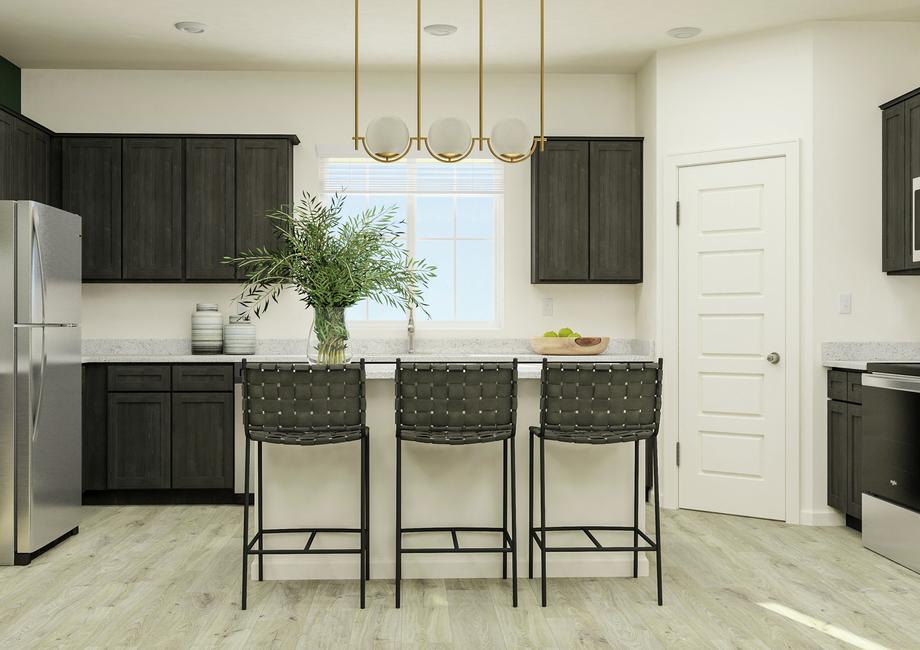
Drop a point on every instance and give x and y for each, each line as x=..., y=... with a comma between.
x=202, y=440
x=139, y=440
x=146, y=440
x=844, y=443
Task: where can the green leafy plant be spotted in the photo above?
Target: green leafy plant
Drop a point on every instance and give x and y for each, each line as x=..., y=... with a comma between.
x=332, y=261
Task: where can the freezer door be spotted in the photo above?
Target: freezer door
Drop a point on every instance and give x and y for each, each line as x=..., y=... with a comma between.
x=48, y=435
x=48, y=264
x=7, y=382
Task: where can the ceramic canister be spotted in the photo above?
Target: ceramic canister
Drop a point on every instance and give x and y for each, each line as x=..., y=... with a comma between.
x=207, y=329
x=239, y=336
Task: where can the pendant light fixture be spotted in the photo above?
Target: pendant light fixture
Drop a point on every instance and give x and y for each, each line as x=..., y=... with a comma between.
x=449, y=139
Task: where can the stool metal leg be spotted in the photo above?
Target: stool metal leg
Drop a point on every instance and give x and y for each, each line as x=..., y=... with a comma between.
x=636, y=509
x=245, y=522
x=543, y=520
x=259, y=450
x=514, y=565
x=530, y=529
x=363, y=520
x=504, y=504
x=657, y=516
x=398, y=517
x=367, y=506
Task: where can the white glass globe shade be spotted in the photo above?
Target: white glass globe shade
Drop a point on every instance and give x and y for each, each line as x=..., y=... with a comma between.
x=450, y=138
x=512, y=139
x=387, y=137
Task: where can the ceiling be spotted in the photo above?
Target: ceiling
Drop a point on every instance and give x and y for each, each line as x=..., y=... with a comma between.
x=581, y=35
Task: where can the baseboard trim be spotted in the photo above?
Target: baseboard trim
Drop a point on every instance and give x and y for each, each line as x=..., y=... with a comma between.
x=826, y=517
x=162, y=497
x=325, y=568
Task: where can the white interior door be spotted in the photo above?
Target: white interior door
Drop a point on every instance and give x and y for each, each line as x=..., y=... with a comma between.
x=732, y=297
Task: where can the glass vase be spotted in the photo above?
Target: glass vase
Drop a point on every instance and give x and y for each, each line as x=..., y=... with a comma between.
x=328, y=340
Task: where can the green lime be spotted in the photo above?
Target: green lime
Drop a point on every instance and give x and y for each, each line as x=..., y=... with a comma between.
x=576, y=335
x=565, y=332
x=550, y=334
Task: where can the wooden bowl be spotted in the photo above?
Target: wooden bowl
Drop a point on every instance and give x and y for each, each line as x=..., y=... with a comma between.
x=557, y=345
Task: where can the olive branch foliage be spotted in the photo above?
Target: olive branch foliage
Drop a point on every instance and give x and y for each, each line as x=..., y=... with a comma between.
x=333, y=260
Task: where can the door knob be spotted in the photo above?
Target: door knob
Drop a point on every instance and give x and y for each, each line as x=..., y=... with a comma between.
x=773, y=358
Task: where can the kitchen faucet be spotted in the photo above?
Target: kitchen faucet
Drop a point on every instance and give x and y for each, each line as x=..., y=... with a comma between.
x=410, y=330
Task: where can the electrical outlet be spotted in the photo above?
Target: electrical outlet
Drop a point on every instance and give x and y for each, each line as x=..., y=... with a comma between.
x=547, y=306
x=846, y=303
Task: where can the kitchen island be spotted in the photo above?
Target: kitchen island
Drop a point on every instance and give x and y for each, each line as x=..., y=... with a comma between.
x=442, y=485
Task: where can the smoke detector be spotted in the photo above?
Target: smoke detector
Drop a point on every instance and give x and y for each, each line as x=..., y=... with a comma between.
x=191, y=27
x=684, y=32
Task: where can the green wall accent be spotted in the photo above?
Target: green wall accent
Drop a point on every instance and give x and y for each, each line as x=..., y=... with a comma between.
x=10, y=85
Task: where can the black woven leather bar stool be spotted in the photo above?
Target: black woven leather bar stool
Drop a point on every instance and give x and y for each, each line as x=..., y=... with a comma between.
x=598, y=404
x=458, y=404
x=305, y=405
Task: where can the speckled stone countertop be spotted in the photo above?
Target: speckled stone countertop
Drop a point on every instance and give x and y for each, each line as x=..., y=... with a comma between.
x=857, y=355
x=383, y=352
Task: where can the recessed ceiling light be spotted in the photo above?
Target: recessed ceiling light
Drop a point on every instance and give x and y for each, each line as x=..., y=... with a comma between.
x=440, y=29
x=191, y=27
x=684, y=32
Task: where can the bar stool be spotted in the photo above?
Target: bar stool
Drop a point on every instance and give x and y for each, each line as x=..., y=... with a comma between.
x=305, y=405
x=598, y=404
x=458, y=404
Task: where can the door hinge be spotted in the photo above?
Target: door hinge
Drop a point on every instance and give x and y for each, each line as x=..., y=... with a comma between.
x=678, y=213
x=678, y=454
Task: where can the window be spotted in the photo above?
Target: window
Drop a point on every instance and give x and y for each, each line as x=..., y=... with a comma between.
x=453, y=215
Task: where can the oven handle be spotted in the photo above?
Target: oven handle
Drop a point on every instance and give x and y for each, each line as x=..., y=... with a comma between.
x=892, y=382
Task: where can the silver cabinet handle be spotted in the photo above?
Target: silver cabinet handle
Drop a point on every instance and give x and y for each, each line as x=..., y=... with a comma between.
x=773, y=358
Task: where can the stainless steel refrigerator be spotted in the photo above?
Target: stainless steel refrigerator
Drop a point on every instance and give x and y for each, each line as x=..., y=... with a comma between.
x=40, y=379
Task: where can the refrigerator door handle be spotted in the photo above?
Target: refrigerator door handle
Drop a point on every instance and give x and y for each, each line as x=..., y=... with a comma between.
x=41, y=268
x=37, y=407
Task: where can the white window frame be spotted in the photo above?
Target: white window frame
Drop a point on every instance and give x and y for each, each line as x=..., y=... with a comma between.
x=421, y=321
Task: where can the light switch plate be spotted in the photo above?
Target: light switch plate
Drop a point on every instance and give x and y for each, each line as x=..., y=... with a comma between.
x=846, y=303
x=547, y=306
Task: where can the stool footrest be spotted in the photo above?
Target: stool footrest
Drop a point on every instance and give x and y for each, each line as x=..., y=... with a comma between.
x=306, y=550
x=456, y=548
x=595, y=543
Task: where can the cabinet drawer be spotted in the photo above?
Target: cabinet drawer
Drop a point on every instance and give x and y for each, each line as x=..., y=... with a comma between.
x=854, y=387
x=203, y=376
x=138, y=377
x=837, y=385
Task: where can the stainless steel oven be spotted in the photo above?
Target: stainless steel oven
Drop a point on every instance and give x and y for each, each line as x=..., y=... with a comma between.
x=891, y=462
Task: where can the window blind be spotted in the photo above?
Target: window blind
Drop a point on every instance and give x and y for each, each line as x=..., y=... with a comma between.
x=411, y=176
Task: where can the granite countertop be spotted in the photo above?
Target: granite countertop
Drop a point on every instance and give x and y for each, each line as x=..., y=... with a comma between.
x=383, y=359
x=857, y=355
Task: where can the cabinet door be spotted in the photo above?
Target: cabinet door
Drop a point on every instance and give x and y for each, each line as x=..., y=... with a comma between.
x=202, y=440
x=22, y=161
x=91, y=188
x=264, y=182
x=95, y=407
x=559, y=179
x=616, y=211
x=854, y=460
x=912, y=200
x=139, y=440
x=210, y=197
x=837, y=454
x=153, y=214
x=895, y=224
x=41, y=166
x=6, y=156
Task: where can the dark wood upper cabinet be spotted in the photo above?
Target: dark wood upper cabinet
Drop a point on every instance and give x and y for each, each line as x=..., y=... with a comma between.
x=22, y=161
x=139, y=440
x=41, y=166
x=264, y=181
x=586, y=202
x=616, y=211
x=6, y=156
x=152, y=241
x=91, y=188
x=560, y=212
x=900, y=202
x=210, y=200
x=202, y=440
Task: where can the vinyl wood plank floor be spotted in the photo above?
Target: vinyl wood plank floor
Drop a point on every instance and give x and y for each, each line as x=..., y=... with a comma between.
x=168, y=577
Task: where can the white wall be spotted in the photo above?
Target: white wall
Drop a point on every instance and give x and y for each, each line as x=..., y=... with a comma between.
x=858, y=66
x=731, y=93
x=318, y=107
